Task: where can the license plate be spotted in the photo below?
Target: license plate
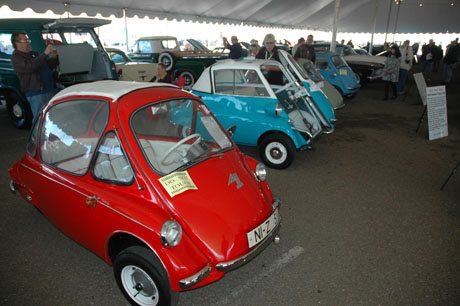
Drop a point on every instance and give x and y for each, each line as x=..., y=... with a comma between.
x=258, y=234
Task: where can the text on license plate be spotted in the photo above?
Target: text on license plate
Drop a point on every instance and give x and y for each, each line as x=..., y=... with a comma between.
x=258, y=234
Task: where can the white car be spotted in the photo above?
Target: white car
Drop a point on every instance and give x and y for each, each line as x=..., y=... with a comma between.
x=128, y=70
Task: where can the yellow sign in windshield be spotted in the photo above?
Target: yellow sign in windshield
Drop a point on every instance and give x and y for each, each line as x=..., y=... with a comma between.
x=177, y=183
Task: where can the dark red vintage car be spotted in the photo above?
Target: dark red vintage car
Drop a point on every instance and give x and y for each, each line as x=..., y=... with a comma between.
x=144, y=176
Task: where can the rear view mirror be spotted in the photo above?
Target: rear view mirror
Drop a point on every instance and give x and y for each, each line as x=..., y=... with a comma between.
x=231, y=130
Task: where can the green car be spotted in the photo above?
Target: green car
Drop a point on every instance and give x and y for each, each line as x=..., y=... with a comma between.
x=187, y=58
x=81, y=54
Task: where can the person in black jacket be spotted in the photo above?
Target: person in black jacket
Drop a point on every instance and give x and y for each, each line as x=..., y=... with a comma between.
x=428, y=53
x=269, y=50
x=235, y=48
x=450, y=59
x=35, y=71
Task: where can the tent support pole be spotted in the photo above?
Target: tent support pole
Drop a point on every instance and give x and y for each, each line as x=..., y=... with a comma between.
x=398, y=4
x=126, y=29
x=376, y=10
x=388, y=20
x=334, y=27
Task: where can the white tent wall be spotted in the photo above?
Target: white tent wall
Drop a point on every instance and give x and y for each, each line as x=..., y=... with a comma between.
x=438, y=16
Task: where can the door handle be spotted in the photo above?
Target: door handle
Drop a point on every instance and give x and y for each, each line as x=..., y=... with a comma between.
x=91, y=201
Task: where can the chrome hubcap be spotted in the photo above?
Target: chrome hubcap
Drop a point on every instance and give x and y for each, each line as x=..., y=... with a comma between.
x=139, y=286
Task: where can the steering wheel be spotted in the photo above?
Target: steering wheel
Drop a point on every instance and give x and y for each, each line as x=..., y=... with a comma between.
x=284, y=87
x=177, y=145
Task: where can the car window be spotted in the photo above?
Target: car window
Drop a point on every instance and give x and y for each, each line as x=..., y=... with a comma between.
x=169, y=44
x=338, y=61
x=70, y=132
x=145, y=46
x=322, y=63
x=176, y=134
x=117, y=58
x=111, y=164
x=239, y=82
x=274, y=75
x=5, y=44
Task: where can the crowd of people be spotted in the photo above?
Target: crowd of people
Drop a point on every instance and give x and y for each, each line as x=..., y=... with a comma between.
x=35, y=71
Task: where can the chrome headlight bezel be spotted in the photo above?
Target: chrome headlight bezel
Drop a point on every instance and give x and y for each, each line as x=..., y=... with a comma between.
x=171, y=233
x=261, y=172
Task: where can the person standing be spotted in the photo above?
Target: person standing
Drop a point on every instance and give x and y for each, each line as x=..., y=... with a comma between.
x=306, y=50
x=162, y=75
x=235, y=48
x=450, y=59
x=35, y=71
x=254, y=47
x=407, y=55
x=427, y=58
x=269, y=50
x=300, y=42
x=390, y=73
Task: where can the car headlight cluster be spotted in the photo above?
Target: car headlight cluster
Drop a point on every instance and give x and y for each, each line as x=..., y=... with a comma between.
x=261, y=172
x=171, y=233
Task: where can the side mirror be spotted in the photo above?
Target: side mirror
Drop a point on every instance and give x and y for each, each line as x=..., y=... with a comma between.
x=231, y=130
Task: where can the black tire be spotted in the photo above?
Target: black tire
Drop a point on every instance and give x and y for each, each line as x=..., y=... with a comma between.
x=189, y=78
x=277, y=151
x=19, y=111
x=167, y=59
x=135, y=265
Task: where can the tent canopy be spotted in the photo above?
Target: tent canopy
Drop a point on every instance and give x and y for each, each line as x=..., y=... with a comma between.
x=434, y=16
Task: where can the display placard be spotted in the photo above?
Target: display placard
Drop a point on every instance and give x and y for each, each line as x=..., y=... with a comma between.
x=421, y=86
x=437, y=112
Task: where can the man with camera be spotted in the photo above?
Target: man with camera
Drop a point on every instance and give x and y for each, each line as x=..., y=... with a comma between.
x=35, y=71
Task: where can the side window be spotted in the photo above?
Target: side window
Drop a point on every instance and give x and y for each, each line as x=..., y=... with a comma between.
x=32, y=143
x=70, y=133
x=239, y=82
x=145, y=46
x=5, y=44
x=111, y=163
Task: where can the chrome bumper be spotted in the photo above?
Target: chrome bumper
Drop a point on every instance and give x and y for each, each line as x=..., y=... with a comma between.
x=236, y=263
x=194, y=279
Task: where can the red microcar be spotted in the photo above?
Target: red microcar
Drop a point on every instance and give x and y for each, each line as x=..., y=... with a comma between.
x=143, y=175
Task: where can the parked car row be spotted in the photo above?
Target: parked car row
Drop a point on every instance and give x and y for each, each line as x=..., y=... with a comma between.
x=135, y=171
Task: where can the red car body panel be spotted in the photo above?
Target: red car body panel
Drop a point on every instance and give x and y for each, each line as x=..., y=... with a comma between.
x=215, y=218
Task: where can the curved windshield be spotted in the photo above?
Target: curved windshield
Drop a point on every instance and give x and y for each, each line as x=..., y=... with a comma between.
x=176, y=134
x=339, y=62
x=310, y=70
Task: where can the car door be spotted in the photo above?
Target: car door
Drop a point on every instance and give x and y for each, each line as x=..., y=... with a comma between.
x=242, y=99
x=64, y=189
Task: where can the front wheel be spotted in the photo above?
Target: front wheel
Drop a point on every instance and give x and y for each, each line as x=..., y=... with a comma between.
x=277, y=151
x=189, y=78
x=19, y=111
x=142, y=278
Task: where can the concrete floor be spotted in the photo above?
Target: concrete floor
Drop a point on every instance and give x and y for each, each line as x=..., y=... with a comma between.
x=364, y=223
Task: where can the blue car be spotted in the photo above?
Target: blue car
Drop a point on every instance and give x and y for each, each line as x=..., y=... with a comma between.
x=268, y=107
x=319, y=98
x=335, y=69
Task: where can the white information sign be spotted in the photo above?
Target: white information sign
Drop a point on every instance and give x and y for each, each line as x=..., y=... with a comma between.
x=437, y=112
x=421, y=86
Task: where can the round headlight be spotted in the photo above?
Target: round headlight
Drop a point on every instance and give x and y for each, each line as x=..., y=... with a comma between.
x=261, y=172
x=171, y=233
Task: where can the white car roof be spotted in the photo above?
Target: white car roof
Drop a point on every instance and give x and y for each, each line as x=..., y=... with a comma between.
x=203, y=83
x=157, y=38
x=111, y=89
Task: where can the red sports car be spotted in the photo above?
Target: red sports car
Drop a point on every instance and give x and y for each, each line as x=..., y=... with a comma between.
x=144, y=176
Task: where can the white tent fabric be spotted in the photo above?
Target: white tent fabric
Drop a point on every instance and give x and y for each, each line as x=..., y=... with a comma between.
x=434, y=16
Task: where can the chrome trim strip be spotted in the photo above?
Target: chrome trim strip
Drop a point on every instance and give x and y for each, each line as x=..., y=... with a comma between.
x=195, y=279
x=236, y=263
x=12, y=187
x=101, y=202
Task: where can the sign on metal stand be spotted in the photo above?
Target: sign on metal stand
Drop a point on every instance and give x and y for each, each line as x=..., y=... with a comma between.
x=437, y=112
x=421, y=86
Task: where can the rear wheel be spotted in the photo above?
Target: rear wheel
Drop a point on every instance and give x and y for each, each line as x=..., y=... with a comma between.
x=142, y=278
x=189, y=78
x=18, y=110
x=167, y=59
x=277, y=151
